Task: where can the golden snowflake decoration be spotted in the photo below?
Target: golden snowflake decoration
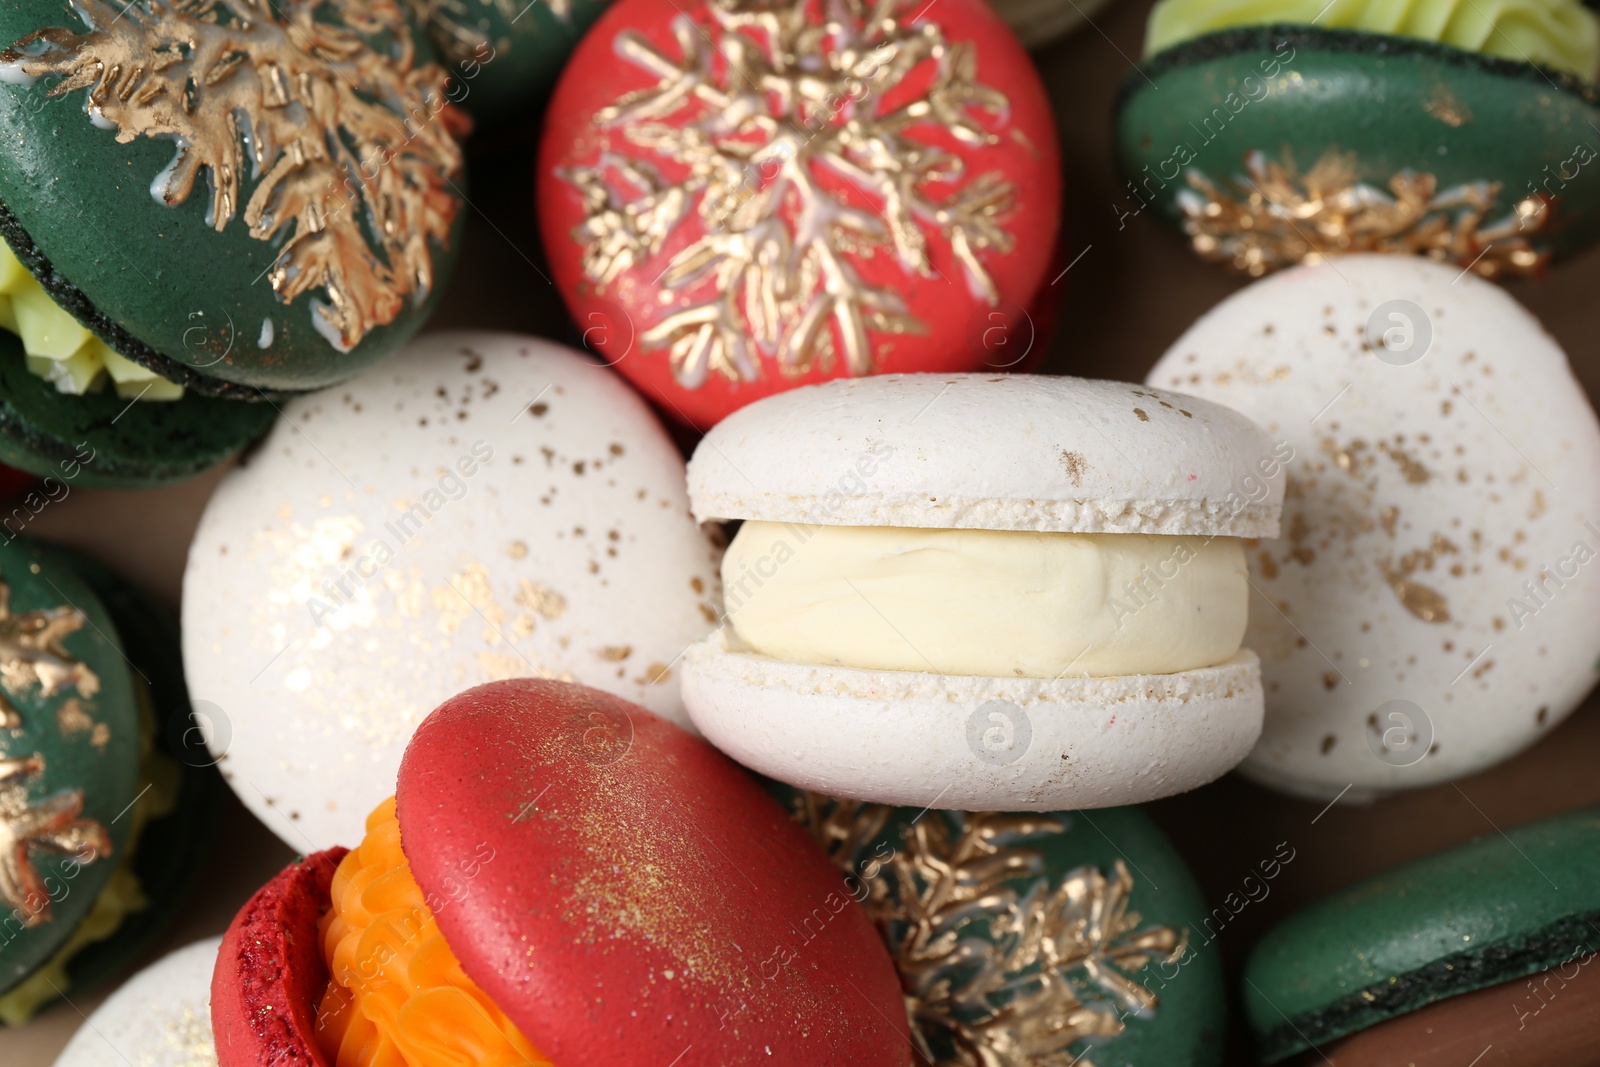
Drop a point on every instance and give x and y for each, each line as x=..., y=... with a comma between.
x=50, y=823
x=1276, y=217
x=1002, y=966
x=767, y=117
x=353, y=161
x=33, y=658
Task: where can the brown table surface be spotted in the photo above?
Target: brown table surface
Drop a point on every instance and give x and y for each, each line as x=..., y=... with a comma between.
x=1129, y=296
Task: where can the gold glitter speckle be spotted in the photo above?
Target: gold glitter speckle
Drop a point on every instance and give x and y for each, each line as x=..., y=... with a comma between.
x=542, y=599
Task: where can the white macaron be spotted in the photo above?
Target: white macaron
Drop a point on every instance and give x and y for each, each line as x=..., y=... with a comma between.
x=920, y=559
x=161, y=1017
x=1435, y=603
x=481, y=506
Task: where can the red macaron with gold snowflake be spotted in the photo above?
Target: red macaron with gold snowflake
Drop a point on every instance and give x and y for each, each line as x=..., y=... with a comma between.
x=561, y=878
x=743, y=196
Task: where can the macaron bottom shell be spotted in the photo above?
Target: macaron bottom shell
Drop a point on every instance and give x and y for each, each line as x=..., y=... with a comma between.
x=971, y=743
x=106, y=441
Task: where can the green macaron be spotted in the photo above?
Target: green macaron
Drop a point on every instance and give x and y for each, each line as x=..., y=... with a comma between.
x=1271, y=132
x=1483, y=916
x=105, y=811
x=1070, y=937
x=241, y=197
x=504, y=55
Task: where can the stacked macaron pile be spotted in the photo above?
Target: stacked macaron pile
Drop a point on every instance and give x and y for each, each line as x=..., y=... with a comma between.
x=716, y=641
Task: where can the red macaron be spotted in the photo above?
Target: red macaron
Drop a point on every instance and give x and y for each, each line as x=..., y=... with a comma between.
x=742, y=198
x=619, y=890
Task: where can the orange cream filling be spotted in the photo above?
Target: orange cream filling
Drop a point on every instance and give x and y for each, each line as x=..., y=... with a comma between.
x=398, y=996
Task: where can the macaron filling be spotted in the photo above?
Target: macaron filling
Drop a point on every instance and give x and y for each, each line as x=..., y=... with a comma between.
x=398, y=997
x=988, y=603
x=62, y=350
x=1560, y=34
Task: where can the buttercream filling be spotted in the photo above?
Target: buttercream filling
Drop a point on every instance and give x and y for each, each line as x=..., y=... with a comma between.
x=398, y=996
x=989, y=603
x=1561, y=34
x=63, y=351
x=123, y=895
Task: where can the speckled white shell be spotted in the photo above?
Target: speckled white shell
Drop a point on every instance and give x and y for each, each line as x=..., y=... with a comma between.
x=974, y=744
x=567, y=553
x=1399, y=644
x=161, y=1017
x=987, y=452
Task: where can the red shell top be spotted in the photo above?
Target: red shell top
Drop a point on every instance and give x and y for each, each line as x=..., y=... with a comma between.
x=628, y=896
x=742, y=196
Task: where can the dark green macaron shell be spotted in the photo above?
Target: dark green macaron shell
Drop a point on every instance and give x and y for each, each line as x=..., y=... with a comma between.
x=966, y=900
x=174, y=847
x=1490, y=911
x=108, y=441
x=504, y=55
x=201, y=217
x=69, y=618
x=69, y=762
x=1482, y=155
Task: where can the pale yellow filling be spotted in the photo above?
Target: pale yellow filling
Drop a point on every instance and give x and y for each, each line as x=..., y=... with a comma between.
x=986, y=602
x=62, y=350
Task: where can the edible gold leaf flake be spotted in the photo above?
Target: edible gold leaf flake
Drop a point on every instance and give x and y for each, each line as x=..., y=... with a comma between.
x=1002, y=963
x=1277, y=217
x=755, y=126
x=349, y=142
x=50, y=823
x=33, y=658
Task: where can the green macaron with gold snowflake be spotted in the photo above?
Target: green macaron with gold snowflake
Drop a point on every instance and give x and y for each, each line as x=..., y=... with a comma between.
x=207, y=201
x=105, y=816
x=1272, y=132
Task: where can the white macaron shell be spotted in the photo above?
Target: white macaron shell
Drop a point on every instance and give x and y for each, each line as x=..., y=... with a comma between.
x=987, y=452
x=161, y=1017
x=973, y=744
x=1399, y=645
x=368, y=562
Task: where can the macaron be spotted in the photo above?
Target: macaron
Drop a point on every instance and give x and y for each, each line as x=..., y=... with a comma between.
x=983, y=592
x=67, y=418
x=1273, y=132
x=483, y=506
x=105, y=818
x=271, y=208
x=560, y=877
x=161, y=1017
x=1482, y=952
x=1041, y=22
x=1431, y=609
x=891, y=186
x=504, y=55
x=1126, y=978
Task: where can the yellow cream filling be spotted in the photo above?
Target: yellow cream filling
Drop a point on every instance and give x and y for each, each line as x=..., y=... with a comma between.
x=990, y=603
x=122, y=896
x=62, y=350
x=1561, y=34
